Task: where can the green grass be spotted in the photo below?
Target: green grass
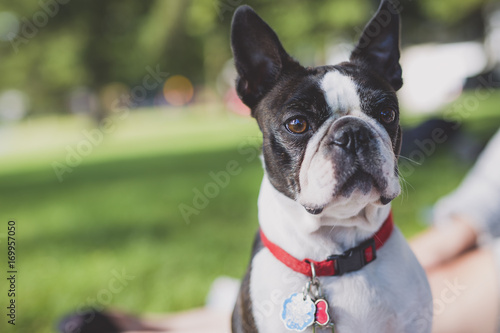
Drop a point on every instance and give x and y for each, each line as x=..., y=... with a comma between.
x=119, y=210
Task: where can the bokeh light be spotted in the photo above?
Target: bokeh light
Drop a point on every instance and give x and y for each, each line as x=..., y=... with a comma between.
x=234, y=103
x=178, y=90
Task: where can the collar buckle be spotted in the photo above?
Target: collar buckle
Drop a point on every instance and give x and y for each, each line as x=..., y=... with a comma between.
x=355, y=258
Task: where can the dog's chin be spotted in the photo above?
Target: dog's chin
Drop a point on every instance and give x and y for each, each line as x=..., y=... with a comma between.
x=355, y=193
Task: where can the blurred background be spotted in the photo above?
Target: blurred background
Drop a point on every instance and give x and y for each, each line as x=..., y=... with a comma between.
x=126, y=155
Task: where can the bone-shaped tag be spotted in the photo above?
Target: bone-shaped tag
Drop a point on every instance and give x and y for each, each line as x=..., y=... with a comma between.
x=321, y=316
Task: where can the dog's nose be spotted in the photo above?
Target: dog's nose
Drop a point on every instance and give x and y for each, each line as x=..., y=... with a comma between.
x=351, y=136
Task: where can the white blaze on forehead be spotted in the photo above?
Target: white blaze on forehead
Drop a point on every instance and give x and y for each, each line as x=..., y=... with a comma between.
x=340, y=92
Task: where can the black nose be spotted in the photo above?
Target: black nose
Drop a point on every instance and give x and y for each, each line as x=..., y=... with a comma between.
x=352, y=136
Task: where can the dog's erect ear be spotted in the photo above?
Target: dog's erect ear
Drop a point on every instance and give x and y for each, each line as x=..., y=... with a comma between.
x=378, y=46
x=258, y=55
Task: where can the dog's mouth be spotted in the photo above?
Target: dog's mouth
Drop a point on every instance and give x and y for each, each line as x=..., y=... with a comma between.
x=359, y=180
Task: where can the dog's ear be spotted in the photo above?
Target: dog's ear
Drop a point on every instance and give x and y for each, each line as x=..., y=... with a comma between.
x=378, y=46
x=258, y=55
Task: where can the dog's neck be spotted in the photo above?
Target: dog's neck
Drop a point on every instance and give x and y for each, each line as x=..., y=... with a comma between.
x=287, y=224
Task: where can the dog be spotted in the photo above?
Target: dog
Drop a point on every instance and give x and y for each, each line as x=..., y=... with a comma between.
x=327, y=256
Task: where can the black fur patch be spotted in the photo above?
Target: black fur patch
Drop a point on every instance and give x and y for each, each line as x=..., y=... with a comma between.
x=242, y=320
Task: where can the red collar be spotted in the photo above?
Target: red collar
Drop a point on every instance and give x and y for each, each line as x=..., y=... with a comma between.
x=351, y=260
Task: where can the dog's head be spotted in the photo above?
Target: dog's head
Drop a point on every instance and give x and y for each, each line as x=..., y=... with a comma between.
x=331, y=134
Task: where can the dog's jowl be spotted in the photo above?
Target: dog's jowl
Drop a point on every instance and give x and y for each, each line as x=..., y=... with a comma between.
x=327, y=255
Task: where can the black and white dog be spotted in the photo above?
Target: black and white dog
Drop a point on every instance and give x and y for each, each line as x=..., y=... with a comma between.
x=327, y=255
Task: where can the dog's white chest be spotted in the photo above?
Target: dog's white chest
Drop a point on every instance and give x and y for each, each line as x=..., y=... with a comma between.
x=381, y=297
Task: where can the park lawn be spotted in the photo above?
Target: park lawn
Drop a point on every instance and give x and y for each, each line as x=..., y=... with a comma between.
x=118, y=213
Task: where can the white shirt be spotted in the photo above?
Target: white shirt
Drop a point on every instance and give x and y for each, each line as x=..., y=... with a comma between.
x=478, y=197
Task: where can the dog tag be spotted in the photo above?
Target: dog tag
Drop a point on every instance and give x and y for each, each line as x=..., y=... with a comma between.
x=298, y=312
x=321, y=316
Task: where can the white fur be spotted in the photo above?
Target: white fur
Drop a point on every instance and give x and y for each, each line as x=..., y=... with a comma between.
x=340, y=92
x=316, y=175
x=390, y=294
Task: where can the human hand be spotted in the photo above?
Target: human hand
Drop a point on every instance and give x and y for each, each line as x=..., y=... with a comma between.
x=439, y=244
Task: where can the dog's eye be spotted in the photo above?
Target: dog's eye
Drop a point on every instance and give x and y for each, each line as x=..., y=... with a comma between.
x=387, y=115
x=297, y=125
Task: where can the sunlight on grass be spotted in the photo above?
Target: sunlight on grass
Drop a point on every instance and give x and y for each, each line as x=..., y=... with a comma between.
x=37, y=143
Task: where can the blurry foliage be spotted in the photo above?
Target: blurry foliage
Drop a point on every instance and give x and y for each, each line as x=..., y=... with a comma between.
x=92, y=43
x=451, y=11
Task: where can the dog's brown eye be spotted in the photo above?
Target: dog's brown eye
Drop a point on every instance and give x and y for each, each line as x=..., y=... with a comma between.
x=388, y=115
x=297, y=125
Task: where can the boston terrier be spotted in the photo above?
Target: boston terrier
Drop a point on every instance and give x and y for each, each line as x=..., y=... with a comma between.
x=327, y=256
